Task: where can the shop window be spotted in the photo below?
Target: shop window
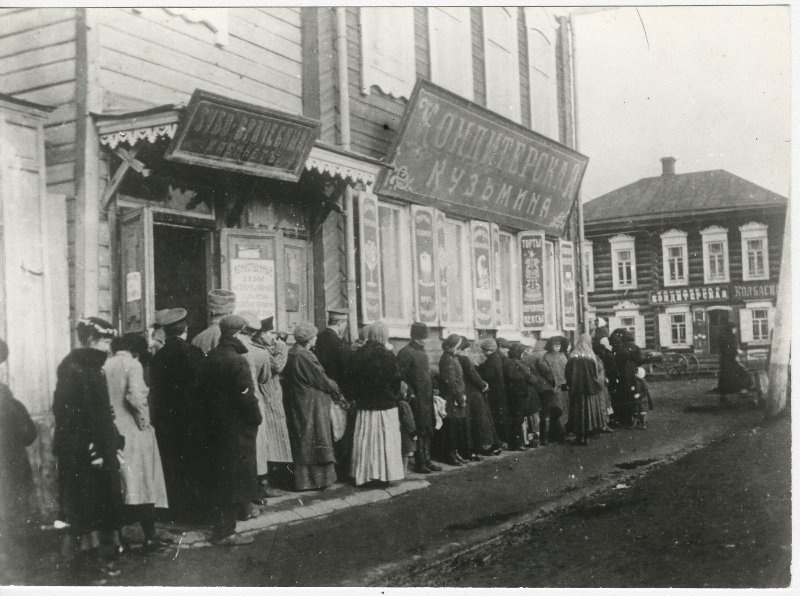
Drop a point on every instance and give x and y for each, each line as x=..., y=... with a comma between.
x=588, y=265
x=550, y=286
x=450, y=37
x=676, y=328
x=755, y=256
x=395, y=260
x=756, y=321
x=459, y=273
x=501, y=55
x=506, y=270
x=675, y=258
x=387, y=50
x=623, y=262
x=715, y=255
x=626, y=316
x=542, y=71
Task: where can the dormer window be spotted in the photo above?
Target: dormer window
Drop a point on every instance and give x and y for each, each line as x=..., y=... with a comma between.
x=623, y=262
x=675, y=258
x=715, y=255
x=755, y=253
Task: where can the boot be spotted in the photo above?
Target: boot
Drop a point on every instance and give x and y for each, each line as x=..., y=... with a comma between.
x=419, y=463
x=431, y=466
x=453, y=459
x=544, y=437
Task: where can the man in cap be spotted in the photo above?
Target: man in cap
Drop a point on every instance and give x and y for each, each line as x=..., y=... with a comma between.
x=415, y=370
x=232, y=417
x=493, y=371
x=220, y=304
x=175, y=414
x=156, y=341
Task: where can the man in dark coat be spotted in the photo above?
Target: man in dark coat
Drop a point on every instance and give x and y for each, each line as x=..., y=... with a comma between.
x=627, y=358
x=176, y=416
x=415, y=370
x=492, y=371
x=232, y=419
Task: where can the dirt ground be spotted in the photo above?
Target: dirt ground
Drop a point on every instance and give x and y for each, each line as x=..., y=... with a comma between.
x=719, y=517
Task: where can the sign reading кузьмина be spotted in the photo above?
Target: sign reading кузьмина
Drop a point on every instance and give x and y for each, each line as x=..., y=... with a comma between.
x=455, y=155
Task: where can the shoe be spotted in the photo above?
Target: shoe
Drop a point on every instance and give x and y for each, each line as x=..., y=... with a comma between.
x=460, y=459
x=152, y=547
x=504, y=446
x=475, y=457
x=430, y=465
x=271, y=493
x=233, y=540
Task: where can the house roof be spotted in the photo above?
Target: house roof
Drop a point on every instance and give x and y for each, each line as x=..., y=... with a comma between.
x=673, y=194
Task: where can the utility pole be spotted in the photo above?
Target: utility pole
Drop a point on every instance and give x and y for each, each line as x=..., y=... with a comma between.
x=780, y=351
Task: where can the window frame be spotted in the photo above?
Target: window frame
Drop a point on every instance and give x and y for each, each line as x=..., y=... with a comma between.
x=746, y=335
x=754, y=231
x=508, y=68
x=398, y=327
x=464, y=327
x=710, y=236
x=555, y=282
x=618, y=243
x=442, y=67
x=395, y=80
x=629, y=309
x=542, y=73
x=686, y=311
x=674, y=239
x=514, y=283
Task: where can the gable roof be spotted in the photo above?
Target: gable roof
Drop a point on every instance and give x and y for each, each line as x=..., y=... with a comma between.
x=671, y=194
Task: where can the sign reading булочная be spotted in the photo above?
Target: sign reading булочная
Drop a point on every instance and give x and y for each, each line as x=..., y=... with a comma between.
x=460, y=157
x=716, y=293
x=224, y=133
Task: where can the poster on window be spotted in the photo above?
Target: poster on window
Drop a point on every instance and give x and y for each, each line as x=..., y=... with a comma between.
x=253, y=282
x=424, y=250
x=482, y=286
x=370, y=262
x=441, y=266
x=531, y=245
x=498, y=278
x=568, y=292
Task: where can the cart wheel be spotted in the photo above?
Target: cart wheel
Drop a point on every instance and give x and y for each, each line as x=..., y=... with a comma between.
x=692, y=362
x=676, y=365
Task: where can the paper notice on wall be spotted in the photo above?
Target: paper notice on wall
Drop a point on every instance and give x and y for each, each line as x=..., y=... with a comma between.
x=253, y=282
x=133, y=286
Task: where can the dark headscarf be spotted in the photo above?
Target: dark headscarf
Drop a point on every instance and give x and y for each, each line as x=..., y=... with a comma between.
x=563, y=341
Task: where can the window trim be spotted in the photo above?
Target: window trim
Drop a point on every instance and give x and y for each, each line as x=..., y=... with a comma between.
x=395, y=84
x=627, y=308
x=685, y=310
x=754, y=231
x=672, y=239
x=758, y=305
x=514, y=110
x=711, y=235
x=465, y=327
x=400, y=327
x=515, y=283
x=466, y=77
x=622, y=242
x=556, y=284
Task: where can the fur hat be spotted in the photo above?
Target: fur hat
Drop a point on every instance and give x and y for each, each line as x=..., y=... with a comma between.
x=221, y=302
x=419, y=331
x=230, y=325
x=304, y=331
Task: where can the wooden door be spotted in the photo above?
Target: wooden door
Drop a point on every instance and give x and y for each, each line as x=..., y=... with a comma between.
x=136, y=270
x=298, y=297
x=717, y=319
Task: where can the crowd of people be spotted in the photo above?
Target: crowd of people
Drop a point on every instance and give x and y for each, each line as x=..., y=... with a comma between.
x=209, y=429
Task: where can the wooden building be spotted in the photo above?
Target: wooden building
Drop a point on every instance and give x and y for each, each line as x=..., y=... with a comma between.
x=265, y=150
x=675, y=257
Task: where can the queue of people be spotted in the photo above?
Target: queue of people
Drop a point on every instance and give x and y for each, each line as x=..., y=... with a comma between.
x=209, y=429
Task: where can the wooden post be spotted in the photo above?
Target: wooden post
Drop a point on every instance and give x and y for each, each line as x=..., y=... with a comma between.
x=780, y=351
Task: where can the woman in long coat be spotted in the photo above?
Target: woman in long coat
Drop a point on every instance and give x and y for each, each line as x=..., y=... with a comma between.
x=491, y=371
x=481, y=425
x=733, y=377
x=453, y=391
x=142, y=474
x=377, y=444
x=585, y=384
x=307, y=396
x=551, y=367
x=86, y=443
x=523, y=393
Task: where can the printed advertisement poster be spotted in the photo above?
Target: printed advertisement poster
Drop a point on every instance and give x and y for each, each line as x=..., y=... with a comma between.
x=568, y=290
x=440, y=230
x=482, y=286
x=424, y=251
x=370, y=262
x=498, y=277
x=253, y=282
x=531, y=245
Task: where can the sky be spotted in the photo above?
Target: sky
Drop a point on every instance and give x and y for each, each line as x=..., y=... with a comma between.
x=707, y=85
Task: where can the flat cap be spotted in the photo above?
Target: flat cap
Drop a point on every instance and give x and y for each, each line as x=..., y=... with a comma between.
x=230, y=325
x=251, y=318
x=172, y=315
x=304, y=331
x=488, y=344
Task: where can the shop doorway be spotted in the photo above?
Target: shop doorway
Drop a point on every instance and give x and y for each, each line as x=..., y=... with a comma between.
x=717, y=320
x=181, y=272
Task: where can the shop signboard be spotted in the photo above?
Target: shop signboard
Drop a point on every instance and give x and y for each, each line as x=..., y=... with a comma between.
x=370, y=263
x=721, y=293
x=531, y=245
x=224, y=133
x=424, y=254
x=460, y=157
x=253, y=282
x=440, y=228
x=482, y=287
x=568, y=291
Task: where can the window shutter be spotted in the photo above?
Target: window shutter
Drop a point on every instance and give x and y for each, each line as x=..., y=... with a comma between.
x=771, y=319
x=664, y=331
x=369, y=243
x=640, y=336
x=689, y=329
x=388, y=61
x=613, y=323
x=497, y=282
x=745, y=325
x=450, y=37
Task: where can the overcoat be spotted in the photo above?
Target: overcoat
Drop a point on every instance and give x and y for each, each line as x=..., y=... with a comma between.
x=733, y=377
x=523, y=389
x=376, y=377
x=259, y=360
x=491, y=371
x=627, y=358
x=451, y=385
x=551, y=367
x=415, y=370
x=17, y=432
x=88, y=496
x=333, y=354
x=481, y=423
x=142, y=474
x=232, y=416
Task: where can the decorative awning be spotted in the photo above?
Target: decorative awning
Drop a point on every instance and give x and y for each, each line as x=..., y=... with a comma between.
x=129, y=128
x=347, y=165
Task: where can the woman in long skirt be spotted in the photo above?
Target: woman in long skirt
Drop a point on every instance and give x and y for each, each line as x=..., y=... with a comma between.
x=584, y=385
x=377, y=444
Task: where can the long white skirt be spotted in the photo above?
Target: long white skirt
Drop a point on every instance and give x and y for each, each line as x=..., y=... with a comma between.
x=377, y=452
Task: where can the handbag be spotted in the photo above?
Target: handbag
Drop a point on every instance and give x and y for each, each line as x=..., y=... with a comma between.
x=338, y=420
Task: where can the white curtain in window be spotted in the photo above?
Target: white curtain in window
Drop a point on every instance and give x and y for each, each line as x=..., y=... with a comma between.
x=387, y=50
x=450, y=36
x=501, y=52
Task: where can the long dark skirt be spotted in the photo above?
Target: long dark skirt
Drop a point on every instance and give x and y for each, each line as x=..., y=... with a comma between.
x=482, y=425
x=733, y=377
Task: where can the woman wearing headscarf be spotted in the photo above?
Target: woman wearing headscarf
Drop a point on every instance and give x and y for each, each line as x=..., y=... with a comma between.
x=453, y=391
x=307, y=396
x=377, y=444
x=551, y=367
x=733, y=377
x=142, y=474
x=601, y=346
x=584, y=384
x=481, y=426
x=87, y=445
x=627, y=358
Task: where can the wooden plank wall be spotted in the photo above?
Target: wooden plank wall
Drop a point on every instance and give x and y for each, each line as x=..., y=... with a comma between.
x=149, y=57
x=478, y=62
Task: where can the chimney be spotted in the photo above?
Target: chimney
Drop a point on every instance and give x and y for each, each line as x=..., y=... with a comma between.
x=667, y=166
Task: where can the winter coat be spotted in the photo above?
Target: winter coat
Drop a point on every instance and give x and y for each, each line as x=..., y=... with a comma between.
x=277, y=434
x=451, y=385
x=89, y=496
x=415, y=370
x=17, y=432
x=375, y=377
x=333, y=354
x=733, y=377
x=551, y=367
x=491, y=371
x=208, y=339
x=480, y=416
x=307, y=396
x=523, y=389
x=585, y=386
x=142, y=474
x=232, y=419
x=259, y=360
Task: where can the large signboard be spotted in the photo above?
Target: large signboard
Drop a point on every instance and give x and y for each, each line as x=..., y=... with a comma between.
x=482, y=287
x=531, y=246
x=219, y=132
x=721, y=293
x=568, y=289
x=424, y=253
x=455, y=155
